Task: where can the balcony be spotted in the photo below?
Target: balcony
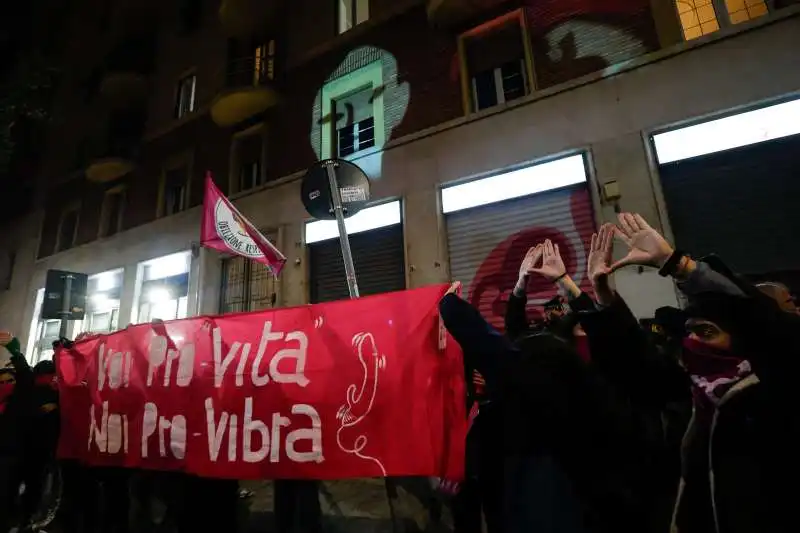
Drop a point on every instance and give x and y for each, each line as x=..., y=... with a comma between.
x=449, y=13
x=248, y=18
x=114, y=152
x=248, y=88
x=125, y=79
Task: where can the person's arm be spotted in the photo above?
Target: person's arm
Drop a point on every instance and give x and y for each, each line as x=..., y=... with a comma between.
x=481, y=343
x=516, y=319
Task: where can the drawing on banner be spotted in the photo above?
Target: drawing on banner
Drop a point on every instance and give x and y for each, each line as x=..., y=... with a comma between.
x=358, y=404
x=496, y=276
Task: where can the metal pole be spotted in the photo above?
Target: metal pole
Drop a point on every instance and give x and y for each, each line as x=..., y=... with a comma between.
x=347, y=254
x=66, y=302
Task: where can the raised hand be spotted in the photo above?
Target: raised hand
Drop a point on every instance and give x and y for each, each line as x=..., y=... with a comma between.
x=531, y=259
x=553, y=267
x=600, y=252
x=599, y=263
x=455, y=288
x=646, y=246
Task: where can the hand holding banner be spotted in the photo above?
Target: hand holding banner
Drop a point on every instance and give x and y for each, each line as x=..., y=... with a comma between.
x=356, y=388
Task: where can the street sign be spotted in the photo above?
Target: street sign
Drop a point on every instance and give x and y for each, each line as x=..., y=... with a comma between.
x=64, y=295
x=353, y=186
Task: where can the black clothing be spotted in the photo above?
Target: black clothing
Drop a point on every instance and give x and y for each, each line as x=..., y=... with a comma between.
x=555, y=406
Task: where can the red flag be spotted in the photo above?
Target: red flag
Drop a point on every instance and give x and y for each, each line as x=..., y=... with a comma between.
x=225, y=229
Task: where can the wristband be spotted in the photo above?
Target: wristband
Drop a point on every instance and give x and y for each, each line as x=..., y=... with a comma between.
x=559, y=278
x=672, y=264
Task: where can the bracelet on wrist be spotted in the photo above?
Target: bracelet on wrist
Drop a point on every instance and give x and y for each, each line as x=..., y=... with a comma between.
x=559, y=278
x=672, y=265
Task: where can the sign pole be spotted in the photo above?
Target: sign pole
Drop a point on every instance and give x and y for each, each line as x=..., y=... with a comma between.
x=66, y=303
x=338, y=211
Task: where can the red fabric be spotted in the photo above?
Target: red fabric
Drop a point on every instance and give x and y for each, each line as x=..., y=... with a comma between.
x=225, y=229
x=6, y=389
x=386, y=386
x=46, y=380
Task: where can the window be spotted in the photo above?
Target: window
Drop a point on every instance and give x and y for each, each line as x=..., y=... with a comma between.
x=353, y=113
x=164, y=288
x=355, y=124
x=533, y=179
x=68, y=229
x=760, y=125
x=249, y=155
x=111, y=216
x=184, y=101
x=175, y=187
x=495, y=59
x=352, y=13
x=102, y=303
x=378, y=216
x=701, y=17
x=264, y=63
x=499, y=85
x=247, y=285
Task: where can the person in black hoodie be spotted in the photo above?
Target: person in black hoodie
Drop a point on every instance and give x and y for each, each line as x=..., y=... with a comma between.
x=16, y=384
x=570, y=457
x=740, y=360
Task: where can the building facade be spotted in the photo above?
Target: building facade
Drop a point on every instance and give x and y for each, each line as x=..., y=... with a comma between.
x=485, y=127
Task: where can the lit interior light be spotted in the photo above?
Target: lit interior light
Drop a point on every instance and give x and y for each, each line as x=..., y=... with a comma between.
x=522, y=182
x=158, y=295
x=375, y=217
x=170, y=265
x=107, y=280
x=100, y=299
x=752, y=127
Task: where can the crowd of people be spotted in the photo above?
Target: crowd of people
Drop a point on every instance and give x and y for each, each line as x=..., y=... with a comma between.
x=588, y=421
x=594, y=421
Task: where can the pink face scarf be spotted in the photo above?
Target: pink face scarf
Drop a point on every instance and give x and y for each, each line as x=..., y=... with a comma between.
x=713, y=371
x=6, y=390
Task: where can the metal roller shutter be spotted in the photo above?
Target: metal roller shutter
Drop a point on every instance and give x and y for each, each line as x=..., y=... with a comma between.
x=487, y=245
x=740, y=204
x=379, y=260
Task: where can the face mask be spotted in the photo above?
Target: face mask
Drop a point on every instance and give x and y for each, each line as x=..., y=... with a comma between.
x=582, y=347
x=712, y=370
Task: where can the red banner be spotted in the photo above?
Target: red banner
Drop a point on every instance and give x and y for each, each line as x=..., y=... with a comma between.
x=356, y=388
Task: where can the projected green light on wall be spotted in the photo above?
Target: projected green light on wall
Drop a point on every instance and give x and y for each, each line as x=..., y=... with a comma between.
x=358, y=107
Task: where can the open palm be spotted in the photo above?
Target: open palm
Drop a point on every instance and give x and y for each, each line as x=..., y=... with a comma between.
x=552, y=267
x=600, y=253
x=646, y=246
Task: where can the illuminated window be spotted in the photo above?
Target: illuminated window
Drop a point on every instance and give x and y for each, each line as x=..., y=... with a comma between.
x=378, y=216
x=164, y=289
x=355, y=125
x=112, y=211
x=264, y=63
x=184, y=100
x=514, y=184
x=102, y=303
x=744, y=10
x=68, y=228
x=351, y=13
x=701, y=17
x=495, y=58
x=759, y=125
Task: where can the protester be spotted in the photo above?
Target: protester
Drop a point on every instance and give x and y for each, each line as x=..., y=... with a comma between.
x=570, y=457
x=41, y=440
x=739, y=359
x=16, y=386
